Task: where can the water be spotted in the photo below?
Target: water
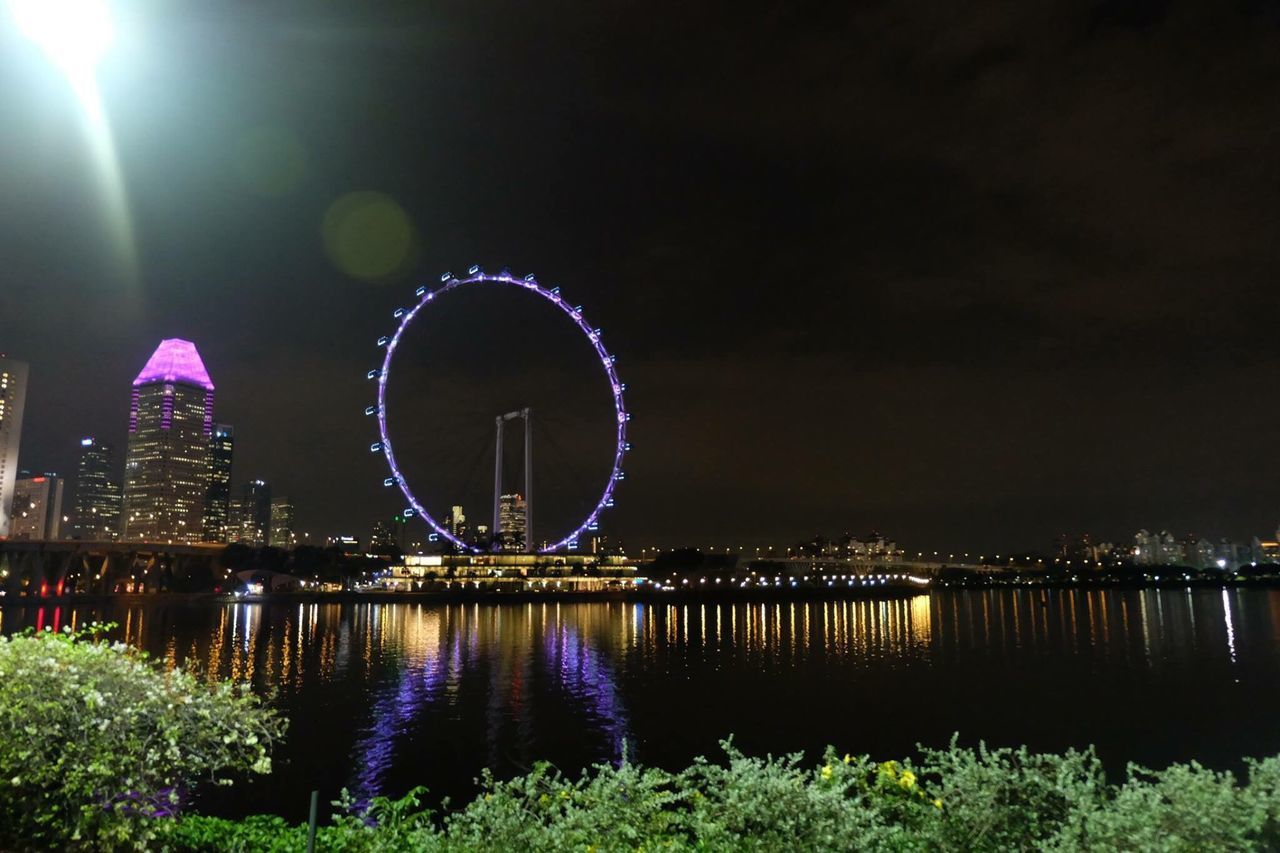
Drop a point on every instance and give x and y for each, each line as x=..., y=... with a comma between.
x=383, y=697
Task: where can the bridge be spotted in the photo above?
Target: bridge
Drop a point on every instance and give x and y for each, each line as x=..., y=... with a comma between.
x=40, y=568
x=872, y=566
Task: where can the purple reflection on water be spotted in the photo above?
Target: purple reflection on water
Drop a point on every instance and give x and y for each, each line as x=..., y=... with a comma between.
x=394, y=710
x=586, y=675
x=431, y=676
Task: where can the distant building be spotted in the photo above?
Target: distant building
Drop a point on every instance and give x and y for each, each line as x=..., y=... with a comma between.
x=253, y=515
x=457, y=522
x=1171, y=553
x=281, y=523
x=1157, y=549
x=1146, y=548
x=217, y=496
x=605, y=546
x=13, y=395
x=97, y=512
x=511, y=519
x=235, y=520
x=1200, y=553
x=1230, y=555
x=345, y=544
x=1266, y=551
x=37, y=507
x=383, y=537
x=388, y=536
x=1103, y=551
x=170, y=424
x=874, y=544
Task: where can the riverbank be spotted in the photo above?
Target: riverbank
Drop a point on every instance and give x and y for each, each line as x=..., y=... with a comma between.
x=638, y=594
x=671, y=591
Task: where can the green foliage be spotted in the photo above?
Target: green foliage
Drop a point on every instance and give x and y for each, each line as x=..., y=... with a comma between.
x=955, y=799
x=1006, y=799
x=384, y=826
x=1185, y=808
x=97, y=743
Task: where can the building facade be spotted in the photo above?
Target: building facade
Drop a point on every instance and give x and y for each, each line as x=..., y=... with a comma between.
x=511, y=523
x=97, y=511
x=13, y=396
x=37, y=507
x=251, y=514
x=217, y=497
x=457, y=522
x=282, y=535
x=166, y=464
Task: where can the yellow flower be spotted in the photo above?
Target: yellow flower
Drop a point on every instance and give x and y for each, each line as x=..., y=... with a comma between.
x=564, y=795
x=827, y=772
x=937, y=804
x=907, y=780
x=889, y=767
x=847, y=758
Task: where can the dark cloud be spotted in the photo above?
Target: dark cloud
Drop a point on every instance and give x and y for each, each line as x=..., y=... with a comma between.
x=971, y=275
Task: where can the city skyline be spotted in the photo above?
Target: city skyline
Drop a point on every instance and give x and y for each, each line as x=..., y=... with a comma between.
x=843, y=294
x=273, y=521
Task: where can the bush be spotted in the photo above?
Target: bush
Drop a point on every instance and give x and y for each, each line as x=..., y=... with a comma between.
x=96, y=742
x=955, y=800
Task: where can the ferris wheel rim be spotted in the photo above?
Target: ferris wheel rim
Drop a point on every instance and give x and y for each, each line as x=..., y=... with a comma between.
x=476, y=276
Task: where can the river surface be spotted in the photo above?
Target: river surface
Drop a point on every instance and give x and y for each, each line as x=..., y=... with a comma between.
x=382, y=697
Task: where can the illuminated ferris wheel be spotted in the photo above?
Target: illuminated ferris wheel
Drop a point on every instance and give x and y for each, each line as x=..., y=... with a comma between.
x=405, y=316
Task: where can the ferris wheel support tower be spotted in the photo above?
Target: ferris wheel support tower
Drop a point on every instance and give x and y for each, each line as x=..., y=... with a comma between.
x=500, y=422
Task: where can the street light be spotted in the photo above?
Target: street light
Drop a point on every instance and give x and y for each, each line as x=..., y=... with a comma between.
x=75, y=34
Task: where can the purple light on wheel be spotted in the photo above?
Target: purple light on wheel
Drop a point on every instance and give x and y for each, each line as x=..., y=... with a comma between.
x=479, y=276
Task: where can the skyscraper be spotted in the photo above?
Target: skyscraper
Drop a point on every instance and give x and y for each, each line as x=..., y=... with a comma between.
x=457, y=522
x=511, y=516
x=383, y=539
x=281, y=523
x=217, y=498
x=13, y=394
x=254, y=513
x=37, y=507
x=170, y=425
x=97, y=493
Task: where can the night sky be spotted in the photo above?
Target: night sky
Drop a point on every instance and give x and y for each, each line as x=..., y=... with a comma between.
x=971, y=276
